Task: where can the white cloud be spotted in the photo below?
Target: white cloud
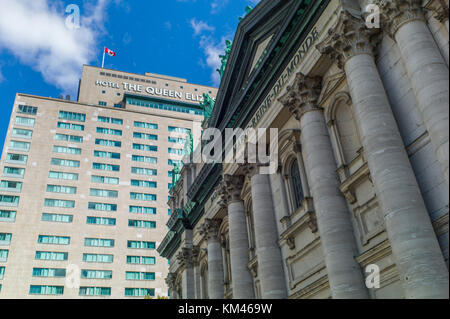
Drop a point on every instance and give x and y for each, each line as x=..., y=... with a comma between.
x=201, y=26
x=216, y=5
x=35, y=32
x=2, y=78
x=212, y=51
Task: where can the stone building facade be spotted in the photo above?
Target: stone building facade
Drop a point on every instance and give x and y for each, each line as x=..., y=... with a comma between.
x=362, y=180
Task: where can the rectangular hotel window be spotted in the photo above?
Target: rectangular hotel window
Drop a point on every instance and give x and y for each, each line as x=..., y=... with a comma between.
x=142, y=210
x=5, y=239
x=59, y=203
x=4, y=255
x=7, y=216
x=146, y=125
x=2, y=272
x=11, y=186
x=101, y=221
x=131, y=275
x=102, y=103
x=64, y=162
x=143, y=147
x=16, y=158
x=144, y=171
x=57, y=218
x=25, y=121
x=174, y=129
x=144, y=159
x=67, y=150
x=107, y=155
x=69, y=138
x=109, y=131
x=63, y=176
x=53, y=240
x=139, y=292
x=176, y=151
x=102, y=207
x=22, y=133
x=139, y=183
x=108, y=143
x=97, y=242
x=70, y=126
x=7, y=200
x=61, y=189
x=50, y=255
x=25, y=109
x=142, y=196
x=141, y=224
x=72, y=116
x=106, y=167
x=19, y=146
x=141, y=244
x=98, y=258
x=145, y=136
x=96, y=274
x=111, y=120
x=177, y=140
x=94, y=291
x=49, y=272
x=46, y=290
x=141, y=260
x=103, y=193
x=104, y=180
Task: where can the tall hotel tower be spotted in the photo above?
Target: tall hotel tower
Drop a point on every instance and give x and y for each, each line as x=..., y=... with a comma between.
x=85, y=186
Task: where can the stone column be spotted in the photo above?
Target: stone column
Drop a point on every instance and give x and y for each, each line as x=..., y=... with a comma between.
x=197, y=279
x=414, y=245
x=270, y=263
x=333, y=218
x=426, y=68
x=215, y=264
x=242, y=279
x=186, y=260
x=171, y=284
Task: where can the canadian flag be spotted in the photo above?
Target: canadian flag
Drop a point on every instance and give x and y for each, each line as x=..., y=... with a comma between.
x=110, y=52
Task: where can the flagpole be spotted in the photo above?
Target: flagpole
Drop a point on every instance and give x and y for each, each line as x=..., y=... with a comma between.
x=103, y=62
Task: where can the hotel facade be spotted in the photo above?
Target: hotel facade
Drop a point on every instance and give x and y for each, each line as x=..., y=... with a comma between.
x=85, y=186
x=359, y=205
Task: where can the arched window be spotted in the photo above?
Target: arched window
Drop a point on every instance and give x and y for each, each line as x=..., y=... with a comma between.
x=296, y=185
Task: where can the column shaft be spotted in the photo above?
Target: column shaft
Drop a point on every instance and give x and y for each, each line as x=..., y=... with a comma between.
x=215, y=269
x=270, y=267
x=415, y=248
x=241, y=277
x=333, y=217
x=429, y=77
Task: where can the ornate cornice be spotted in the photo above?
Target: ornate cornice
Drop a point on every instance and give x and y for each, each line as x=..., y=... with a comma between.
x=350, y=37
x=171, y=281
x=302, y=95
x=399, y=12
x=440, y=10
x=234, y=185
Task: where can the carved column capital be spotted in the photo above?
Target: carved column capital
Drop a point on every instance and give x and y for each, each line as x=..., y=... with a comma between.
x=223, y=195
x=397, y=13
x=302, y=95
x=210, y=228
x=171, y=281
x=234, y=185
x=349, y=38
x=187, y=256
x=439, y=9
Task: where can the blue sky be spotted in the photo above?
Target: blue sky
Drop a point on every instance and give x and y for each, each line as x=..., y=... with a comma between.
x=43, y=55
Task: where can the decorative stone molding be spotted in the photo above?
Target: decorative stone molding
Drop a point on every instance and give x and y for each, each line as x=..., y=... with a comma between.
x=302, y=95
x=439, y=9
x=188, y=256
x=233, y=186
x=223, y=195
x=171, y=281
x=210, y=228
x=399, y=12
x=349, y=38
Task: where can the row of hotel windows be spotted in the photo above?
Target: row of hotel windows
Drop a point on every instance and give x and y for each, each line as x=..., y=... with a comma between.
x=10, y=216
x=5, y=240
x=89, y=258
x=162, y=106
